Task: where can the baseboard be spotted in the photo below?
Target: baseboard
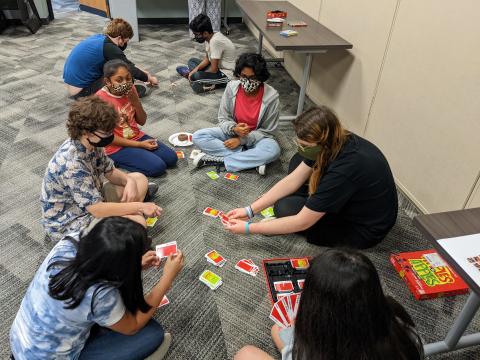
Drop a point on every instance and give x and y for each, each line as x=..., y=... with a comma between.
x=184, y=20
x=411, y=197
x=93, y=10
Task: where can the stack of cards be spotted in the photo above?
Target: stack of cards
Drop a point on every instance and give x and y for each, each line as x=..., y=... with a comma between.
x=300, y=264
x=212, y=280
x=215, y=258
x=165, y=250
x=268, y=212
x=283, y=286
x=247, y=266
x=284, y=311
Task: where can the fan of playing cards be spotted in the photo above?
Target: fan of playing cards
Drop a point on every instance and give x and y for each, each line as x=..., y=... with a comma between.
x=247, y=266
x=284, y=311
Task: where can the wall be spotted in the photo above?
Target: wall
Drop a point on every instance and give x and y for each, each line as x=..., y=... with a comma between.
x=174, y=9
x=410, y=85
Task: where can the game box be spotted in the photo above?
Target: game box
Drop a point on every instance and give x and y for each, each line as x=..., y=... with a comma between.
x=427, y=275
x=281, y=269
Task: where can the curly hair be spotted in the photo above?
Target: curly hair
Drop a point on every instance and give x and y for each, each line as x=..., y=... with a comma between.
x=254, y=61
x=90, y=114
x=201, y=23
x=119, y=27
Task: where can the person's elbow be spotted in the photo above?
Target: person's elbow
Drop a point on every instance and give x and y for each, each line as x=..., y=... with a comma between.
x=307, y=218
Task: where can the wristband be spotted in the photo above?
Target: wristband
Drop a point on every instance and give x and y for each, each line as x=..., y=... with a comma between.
x=249, y=212
x=247, y=228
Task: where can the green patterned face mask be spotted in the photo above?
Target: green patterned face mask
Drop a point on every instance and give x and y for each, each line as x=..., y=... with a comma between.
x=311, y=152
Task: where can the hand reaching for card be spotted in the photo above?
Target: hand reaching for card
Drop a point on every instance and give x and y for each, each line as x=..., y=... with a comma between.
x=150, y=259
x=235, y=226
x=150, y=209
x=173, y=266
x=238, y=213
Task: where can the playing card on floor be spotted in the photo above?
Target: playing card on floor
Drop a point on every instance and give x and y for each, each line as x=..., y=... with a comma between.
x=211, y=212
x=212, y=280
x=165, y=250
x=247, y=266
x=215, y=258
x=213, y=175
x=231, y=177
x=180, y=154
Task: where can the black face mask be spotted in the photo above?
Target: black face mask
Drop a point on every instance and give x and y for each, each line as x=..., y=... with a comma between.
x=200, y=39
x=123, y=47
x=104, y=141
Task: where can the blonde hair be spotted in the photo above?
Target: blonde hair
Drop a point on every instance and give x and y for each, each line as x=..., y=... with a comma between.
x=119, y=27
x=321, y=126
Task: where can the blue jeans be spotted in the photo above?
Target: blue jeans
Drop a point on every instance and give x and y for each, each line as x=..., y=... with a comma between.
x=211, y=140
x=148, y=162
x=107, y=344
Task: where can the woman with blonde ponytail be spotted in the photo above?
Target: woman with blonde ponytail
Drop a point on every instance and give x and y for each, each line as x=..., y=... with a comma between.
x=339, y=190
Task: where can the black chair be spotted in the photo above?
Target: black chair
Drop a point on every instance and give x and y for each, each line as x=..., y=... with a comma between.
x=23, y=10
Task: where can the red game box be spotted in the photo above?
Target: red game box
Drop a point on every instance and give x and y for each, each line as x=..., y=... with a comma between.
x=427, y=275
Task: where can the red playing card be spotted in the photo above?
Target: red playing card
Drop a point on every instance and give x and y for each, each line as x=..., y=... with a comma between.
x=283, y=286
x=223, y=217
x=245, y=266
x=165, y=250
x=277, y=317
x=164, y=301
x=295, y=301
x=300, y=283
x=283, y=310
x=301, y=263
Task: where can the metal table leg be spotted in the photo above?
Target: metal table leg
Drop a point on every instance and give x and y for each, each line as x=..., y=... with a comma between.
x=303, y=88
x=454, y=339
x=260, y=43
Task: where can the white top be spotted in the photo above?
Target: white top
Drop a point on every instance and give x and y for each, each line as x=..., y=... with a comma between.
x=220, y=47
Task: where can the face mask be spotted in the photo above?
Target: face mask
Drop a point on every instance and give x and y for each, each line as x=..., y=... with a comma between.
x=200, y=39
x=250, y=85
x=122, y=89
x=123, y=47
x=310, y=153
x=104, y=141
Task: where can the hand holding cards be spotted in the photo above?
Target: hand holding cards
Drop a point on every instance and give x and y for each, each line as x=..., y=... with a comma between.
x=165, y=250
x=284, y=311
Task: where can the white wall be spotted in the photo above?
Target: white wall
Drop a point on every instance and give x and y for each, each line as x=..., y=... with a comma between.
x=411, y=85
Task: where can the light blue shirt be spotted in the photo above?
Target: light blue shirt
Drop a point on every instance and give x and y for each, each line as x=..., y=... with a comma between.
x=44, y=329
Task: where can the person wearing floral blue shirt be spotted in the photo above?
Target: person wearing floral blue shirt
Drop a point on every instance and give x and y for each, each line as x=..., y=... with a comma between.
x=82, y=184
x=86, y=300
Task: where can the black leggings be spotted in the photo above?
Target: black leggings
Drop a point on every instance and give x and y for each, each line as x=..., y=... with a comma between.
x=331, y=230
x=89, y=90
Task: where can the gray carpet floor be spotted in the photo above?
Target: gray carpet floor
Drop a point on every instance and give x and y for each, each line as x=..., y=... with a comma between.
x=205, y=324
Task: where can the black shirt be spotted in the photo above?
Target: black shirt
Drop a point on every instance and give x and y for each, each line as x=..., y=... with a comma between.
x=112, y=51
x=358, y=187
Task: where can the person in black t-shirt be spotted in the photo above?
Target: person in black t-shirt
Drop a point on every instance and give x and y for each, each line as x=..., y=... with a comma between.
x=350, y=199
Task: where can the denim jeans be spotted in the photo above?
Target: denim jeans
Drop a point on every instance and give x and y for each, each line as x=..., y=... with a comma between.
x=148, y=162
x=107, y=344
x=211, y=140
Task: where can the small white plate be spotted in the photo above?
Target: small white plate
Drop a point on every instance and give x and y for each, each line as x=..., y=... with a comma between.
x=173, y=139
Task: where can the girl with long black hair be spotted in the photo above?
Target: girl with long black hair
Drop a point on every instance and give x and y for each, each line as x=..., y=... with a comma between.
x=86, y=300
x=344, y=315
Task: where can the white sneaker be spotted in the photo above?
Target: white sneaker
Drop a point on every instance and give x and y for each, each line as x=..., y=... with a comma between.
x=162, y=350
x=262, y=169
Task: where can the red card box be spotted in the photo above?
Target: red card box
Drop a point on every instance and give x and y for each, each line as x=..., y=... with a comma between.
x=427, y=281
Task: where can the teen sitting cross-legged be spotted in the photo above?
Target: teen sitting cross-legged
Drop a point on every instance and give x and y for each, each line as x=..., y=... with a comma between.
x=247, y=121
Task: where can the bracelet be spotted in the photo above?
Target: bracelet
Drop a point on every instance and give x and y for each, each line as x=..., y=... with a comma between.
x=247, y=228
x=249, y=212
